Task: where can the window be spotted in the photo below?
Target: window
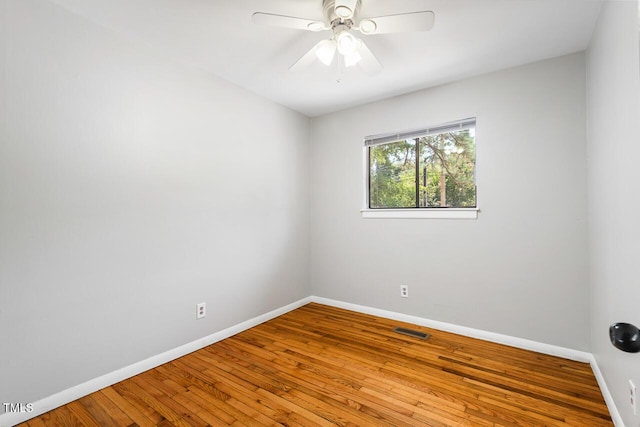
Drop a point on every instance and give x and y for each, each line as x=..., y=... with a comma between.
x=423, y=169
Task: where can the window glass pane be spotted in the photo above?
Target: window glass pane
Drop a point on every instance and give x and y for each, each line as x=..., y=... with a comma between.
x=428, y=170
x=447, y=170
x=392, y=175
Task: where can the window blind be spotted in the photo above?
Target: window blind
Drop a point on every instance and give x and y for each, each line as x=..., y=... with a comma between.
x=418, y=133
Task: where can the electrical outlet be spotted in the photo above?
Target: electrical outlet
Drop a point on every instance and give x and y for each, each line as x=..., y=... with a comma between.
x=201, y=310
x=404, y=291
x=632, y=396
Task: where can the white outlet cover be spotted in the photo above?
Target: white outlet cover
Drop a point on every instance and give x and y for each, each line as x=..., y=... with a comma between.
x=404, y=291
x=201, y=310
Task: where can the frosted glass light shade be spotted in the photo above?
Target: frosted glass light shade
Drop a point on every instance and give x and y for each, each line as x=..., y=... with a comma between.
x=347, y=44
x=326, y=51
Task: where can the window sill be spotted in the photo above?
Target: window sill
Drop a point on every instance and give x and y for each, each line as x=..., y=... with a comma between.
x=424, y=213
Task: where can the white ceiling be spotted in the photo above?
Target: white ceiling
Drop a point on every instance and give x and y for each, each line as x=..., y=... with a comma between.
x=470, y=37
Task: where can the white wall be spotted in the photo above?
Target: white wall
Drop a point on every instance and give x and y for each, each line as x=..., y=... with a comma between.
x=132, y=188
x=613, y=88
x=521, y=268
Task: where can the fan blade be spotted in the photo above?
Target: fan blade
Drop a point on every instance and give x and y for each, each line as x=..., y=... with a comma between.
x=402, y=23
x=369, y=63
x=345, y=8
x=287, y=22
x=326, y=49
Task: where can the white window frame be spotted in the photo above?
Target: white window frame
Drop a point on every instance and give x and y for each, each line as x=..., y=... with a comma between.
x=413, y=213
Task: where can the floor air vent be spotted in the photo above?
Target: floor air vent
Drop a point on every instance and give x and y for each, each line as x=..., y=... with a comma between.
x=411, y=333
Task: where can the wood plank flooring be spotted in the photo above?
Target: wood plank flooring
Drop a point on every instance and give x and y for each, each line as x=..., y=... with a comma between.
x=324, y=366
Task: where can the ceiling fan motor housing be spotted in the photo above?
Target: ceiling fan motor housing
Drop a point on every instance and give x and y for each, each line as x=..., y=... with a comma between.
x=330, y=14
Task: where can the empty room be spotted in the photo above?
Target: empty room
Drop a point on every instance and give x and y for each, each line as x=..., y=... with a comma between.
x=319, y=212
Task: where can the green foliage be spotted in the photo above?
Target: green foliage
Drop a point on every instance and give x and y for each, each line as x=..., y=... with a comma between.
x=392, y=173
x=445, y=170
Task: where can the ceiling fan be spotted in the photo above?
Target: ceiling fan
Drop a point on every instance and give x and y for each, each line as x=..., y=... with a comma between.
x=341, y=16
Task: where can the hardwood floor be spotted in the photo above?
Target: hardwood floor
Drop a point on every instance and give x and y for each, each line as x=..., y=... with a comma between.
x=323, y=366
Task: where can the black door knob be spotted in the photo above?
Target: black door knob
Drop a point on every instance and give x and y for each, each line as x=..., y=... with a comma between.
x=625, y=337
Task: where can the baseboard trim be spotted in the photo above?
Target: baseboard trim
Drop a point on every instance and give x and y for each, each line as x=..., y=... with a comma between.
x=539, y=347
x=608, y=398
x=91, y=386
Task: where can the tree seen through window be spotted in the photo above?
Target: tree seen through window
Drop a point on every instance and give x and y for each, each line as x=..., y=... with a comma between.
x=435, y=170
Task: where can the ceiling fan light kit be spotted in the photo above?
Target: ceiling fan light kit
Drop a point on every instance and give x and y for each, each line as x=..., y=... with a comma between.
x=340, y=16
